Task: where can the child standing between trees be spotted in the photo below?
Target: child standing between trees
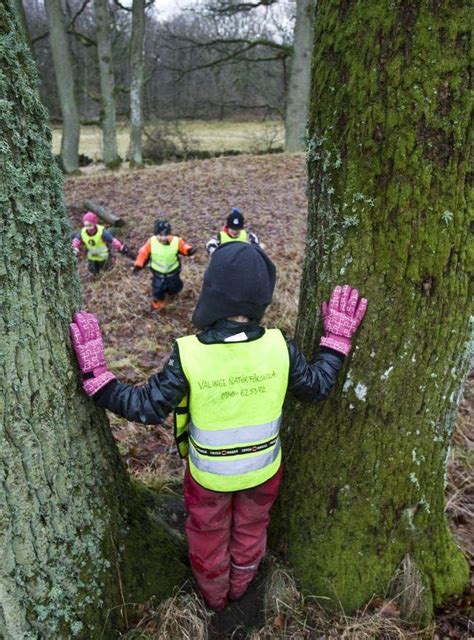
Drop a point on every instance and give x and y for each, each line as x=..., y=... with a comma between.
x=227, y=385
x=98, y=241
x=162, y=252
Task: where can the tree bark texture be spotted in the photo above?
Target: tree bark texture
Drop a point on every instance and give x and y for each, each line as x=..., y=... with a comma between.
x=64, y=71
x=300, y=77
x=20, y=14
x=76, y=541
x=136, y=82
x=388, y=212
x=107, y=84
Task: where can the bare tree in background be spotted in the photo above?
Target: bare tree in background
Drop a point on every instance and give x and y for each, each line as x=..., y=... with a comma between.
x=244, y=72
x=300, y=77
x=107, y=84
x=137, y=42
x=63, y=68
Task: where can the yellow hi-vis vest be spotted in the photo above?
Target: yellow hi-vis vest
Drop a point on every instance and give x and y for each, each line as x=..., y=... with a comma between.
x=164, y=257
x=225, y=237
x=96, y=248
x=230, y=428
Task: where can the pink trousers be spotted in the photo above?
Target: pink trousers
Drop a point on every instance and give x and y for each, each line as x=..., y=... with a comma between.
x=227, y=536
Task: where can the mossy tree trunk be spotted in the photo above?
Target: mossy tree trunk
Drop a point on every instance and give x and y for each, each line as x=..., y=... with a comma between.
x=76, y=540
x=107, y=84
x=64, y=71
x=137, y=41
x=388, y=212
x=20, y=13
x=300, y=77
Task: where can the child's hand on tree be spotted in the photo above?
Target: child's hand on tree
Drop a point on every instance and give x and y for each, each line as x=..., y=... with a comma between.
x=341, y=318
x=87, y=342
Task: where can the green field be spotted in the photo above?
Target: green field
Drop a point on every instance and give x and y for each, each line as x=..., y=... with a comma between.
x=214, y=136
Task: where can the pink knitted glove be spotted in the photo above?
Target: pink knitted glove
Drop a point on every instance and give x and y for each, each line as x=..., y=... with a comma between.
x=76, y=246
x=87, y=342
x=341, y=317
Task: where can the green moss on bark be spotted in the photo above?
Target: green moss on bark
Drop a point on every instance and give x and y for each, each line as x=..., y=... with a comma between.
x=70, y=520
x=388, y=212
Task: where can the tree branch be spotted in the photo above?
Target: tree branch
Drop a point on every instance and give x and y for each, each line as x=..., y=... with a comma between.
x=226, y=8
x=85, y=40
x=123, y=7
x=78, y=13
x=230, y=59
x=41, y=37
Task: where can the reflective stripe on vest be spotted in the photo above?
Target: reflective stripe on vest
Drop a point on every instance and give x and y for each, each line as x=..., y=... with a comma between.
x=164, y=257
x=236, y=396
x=231, y=467
x=225, y=237
x=214, y=438
x=96, y=248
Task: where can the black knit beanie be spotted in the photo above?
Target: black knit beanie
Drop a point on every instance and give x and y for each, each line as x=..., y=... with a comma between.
x=235, y=220
x=239, y=281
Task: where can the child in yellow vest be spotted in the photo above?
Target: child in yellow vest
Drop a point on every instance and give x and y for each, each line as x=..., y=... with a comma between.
x=97, y=240
x=162, y=252
x=232, y=231
x=227, y=385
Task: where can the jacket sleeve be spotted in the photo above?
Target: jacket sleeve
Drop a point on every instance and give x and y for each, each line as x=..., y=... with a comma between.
x=312, y=382
x=143, y=254
x=149, y=403
x=110, y=239
x=183, y=247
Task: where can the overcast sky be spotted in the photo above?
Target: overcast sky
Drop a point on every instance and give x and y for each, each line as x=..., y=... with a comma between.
x=168, y=7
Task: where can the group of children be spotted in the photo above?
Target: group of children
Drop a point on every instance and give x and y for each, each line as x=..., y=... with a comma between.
x=161, y=252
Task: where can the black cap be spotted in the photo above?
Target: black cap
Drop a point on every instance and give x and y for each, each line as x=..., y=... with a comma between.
x=162, y=227
x=239, y=281
x=235, y=220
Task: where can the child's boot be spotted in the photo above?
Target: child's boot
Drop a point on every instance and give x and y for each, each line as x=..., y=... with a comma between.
x=157, y=305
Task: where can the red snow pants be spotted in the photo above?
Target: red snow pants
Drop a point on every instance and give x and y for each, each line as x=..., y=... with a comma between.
x=227, y=536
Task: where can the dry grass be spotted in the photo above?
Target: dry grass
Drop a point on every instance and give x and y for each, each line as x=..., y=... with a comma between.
x=182, y=617
x=292, y=616
x=213, y=136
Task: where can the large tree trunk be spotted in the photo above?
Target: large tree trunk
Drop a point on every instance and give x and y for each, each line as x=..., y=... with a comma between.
x=300, y=77
x=136, y=82
x=76, y=541
x=388, y=159
x=63, y=69
x=20, y=14
x=107, y=84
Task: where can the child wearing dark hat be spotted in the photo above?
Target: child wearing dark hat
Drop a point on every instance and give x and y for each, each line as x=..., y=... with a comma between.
x=232, y=231
x=162, y=252
x=98, y=241
x=227, y=385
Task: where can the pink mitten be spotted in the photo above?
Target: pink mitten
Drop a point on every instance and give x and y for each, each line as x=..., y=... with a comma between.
x=87, y=342
x=341, y=317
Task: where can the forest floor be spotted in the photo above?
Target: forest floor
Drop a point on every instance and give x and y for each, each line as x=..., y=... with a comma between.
x=196, y=196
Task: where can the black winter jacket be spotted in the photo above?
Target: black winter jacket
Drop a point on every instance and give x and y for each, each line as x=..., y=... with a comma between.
x=152, y=402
